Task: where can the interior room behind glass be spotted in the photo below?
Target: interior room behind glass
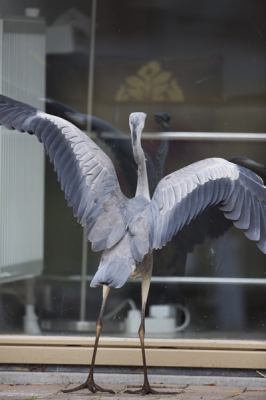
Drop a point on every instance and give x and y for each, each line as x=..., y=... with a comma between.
x=204, y=64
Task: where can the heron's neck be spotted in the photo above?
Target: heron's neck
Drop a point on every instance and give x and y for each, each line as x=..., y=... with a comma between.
x=142, y=185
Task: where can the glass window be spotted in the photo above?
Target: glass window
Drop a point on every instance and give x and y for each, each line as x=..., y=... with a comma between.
x=203, y=65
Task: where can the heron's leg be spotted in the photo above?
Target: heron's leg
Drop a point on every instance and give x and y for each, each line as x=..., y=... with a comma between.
x=89, y=384
x=146, y=388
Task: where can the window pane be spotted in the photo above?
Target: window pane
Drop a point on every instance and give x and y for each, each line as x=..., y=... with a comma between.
x=201, y=63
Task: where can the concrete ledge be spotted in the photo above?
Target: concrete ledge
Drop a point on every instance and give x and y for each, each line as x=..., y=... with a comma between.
x=64, y=378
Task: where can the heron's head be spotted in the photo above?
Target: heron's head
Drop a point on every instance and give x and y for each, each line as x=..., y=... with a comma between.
x=136, y=124
x=163, y=120
x=246, y=162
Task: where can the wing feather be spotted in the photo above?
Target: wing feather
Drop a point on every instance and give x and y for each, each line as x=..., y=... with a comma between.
x=55, y=143
x=253, y=231
x=65, y=165
x=244, y=217
x=236, y=211
x=77, y=192
x=262, y=242
x=88, y=208
x=194, y=205
x=229, y=206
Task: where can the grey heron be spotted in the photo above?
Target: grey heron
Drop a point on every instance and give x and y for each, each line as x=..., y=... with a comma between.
x=163, y=120
x=129, y=229
x=210, y=223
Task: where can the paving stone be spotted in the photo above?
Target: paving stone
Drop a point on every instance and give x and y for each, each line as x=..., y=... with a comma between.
x=33, y=388
x=202, y=392
x=17, y=396
x=214, y=389
x=3, y=386
x=254, y=394
x=256, y=389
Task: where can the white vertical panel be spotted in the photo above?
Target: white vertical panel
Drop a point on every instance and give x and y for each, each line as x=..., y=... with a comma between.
x=22, y=198
x=21, y=155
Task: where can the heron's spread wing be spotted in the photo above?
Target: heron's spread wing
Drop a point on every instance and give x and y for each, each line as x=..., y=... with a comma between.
x=184, y=194
x=86, y=173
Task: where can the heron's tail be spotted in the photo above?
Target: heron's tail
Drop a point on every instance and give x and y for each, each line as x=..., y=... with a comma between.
x=112, y=274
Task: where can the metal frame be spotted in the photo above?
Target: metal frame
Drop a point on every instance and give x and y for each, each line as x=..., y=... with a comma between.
x=168, y=279
x=203, y=136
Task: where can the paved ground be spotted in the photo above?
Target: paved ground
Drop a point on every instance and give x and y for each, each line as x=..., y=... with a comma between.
x=202, y=392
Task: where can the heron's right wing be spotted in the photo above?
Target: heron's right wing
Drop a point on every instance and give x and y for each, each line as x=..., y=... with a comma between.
x=86, y=173
x=184, y=194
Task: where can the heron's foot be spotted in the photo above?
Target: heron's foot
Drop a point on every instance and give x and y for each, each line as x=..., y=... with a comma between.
x=146, y=389
x=90, y=385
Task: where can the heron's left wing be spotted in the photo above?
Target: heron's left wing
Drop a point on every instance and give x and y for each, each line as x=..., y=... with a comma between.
x=86, y=173
x=184, y=194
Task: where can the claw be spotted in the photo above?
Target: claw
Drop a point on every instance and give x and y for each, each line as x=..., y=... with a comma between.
x=90, y=385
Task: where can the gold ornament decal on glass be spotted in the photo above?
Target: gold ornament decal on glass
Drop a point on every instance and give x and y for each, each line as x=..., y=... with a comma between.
x=151, y=84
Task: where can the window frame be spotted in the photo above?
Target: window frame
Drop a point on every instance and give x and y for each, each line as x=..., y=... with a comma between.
x=197, y=353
